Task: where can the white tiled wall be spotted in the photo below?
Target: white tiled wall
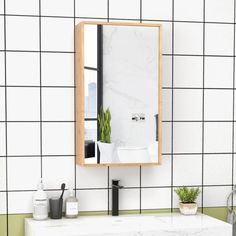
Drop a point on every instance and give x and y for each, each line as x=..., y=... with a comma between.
x=40, y=51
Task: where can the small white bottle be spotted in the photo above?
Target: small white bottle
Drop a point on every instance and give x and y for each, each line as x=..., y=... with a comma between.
x=72, y=206
x=40, y=203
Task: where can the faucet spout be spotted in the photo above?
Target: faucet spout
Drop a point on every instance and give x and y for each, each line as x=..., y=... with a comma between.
x=115, y=197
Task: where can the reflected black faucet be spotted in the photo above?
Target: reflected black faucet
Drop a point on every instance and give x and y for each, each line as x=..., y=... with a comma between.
x=115, y=197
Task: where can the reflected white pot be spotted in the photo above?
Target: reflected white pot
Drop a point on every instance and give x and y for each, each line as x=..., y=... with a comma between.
x=106, y=152
x=188, y=208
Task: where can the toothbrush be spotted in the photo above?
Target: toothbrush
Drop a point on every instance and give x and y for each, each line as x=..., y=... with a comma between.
x=63, y=189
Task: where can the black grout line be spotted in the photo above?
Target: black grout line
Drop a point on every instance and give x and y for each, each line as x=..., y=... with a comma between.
x=108, y=168
x=126, y=187
x=91, y=68
x=36, y=51
x=196, y=55
x=75, y=102
x=33, y=156
x=172, y=107
x=72, y=52
x=197, y=153
x=90, y=119
x=120, y=19
x=40, y=89
x=233, y=134
x=38, y=86
x=140, y=168
x=72, y=87
x=95, y=119
x=199, y=121
x=203, y=104
x=108, y=11
x=140, y=11
x=72, y=155
x=196, y=88
x=39, y=121
x=6, y=117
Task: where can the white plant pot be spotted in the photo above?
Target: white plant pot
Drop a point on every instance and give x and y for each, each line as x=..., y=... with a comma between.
x=188, y=208
x=106, y=152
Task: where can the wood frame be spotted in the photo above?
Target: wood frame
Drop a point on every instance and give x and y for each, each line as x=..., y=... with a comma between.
x=79, y=103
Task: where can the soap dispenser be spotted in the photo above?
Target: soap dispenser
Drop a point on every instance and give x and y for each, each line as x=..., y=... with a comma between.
x=40, y=203
x=71, y=205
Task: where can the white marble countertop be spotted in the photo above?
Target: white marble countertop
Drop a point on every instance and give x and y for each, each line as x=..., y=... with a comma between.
x=130, y=225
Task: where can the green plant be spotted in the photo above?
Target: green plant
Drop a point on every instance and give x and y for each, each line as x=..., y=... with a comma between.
x=187, y=195
x=104, y=119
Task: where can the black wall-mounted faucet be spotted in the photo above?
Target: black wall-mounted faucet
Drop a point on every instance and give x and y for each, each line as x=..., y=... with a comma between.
x=115, y=197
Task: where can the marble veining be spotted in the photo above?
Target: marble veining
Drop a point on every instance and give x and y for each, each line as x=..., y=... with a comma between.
x=130, y=82
x=131, y=225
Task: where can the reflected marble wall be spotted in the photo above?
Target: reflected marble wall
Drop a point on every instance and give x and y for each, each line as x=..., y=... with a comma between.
x=130, y=72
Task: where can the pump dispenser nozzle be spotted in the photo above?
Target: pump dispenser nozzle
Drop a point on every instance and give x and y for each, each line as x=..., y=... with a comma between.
x=40, y=184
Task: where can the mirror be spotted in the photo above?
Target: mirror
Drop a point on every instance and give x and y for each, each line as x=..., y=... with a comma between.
x=118, y=93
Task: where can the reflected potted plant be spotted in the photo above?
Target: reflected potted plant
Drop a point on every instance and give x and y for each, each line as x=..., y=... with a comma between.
x=188, y=196
x=106, y=148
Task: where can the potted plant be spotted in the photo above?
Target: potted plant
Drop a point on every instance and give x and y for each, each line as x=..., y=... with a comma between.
x=106, y=148
x=188, y=196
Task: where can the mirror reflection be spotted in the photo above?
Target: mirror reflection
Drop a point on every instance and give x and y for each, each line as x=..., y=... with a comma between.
x=121, y=93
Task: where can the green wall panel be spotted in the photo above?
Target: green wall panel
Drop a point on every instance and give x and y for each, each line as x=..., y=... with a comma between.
x=16, y=222
x=3, y=225
x=216, y=212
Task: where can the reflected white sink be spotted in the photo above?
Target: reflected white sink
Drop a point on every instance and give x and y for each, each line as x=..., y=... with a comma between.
x=138, y=154
x=130, y=225
x=133, y=154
